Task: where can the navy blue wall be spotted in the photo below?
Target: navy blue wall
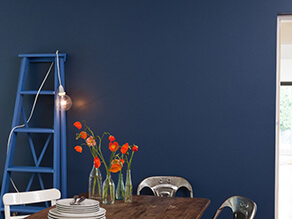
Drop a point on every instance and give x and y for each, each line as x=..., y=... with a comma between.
x=191, y=82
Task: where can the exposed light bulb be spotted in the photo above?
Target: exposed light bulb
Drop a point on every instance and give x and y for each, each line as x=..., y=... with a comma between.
x=64, y=102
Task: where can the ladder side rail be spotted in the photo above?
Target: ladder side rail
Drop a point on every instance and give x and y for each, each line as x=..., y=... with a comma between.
x=63, y=138
x=21, y=87
x=15, y=122
x=56, y=150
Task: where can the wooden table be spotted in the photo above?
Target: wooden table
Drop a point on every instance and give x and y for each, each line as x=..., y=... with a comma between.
x=146, y=207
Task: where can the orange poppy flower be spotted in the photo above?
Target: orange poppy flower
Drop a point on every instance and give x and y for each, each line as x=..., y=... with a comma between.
x=111, y=138
x=125, y=148
x=113, y=146
x=116, y=166
x=83, y=134
x=77, y=125
x=135, y=148
x=122, y=160
x=90, y=141
x=97, y=162
x=78, y=148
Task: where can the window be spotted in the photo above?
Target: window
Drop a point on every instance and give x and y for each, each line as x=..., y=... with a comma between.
x=283, y=189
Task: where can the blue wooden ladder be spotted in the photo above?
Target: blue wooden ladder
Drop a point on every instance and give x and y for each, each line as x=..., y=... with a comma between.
x=57, y=133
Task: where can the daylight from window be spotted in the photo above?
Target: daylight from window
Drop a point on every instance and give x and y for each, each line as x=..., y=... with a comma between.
x=285, y=122
x=285, y=156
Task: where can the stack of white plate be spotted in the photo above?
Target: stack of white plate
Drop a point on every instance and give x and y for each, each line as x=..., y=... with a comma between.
x=86, y=206
x=88, y=209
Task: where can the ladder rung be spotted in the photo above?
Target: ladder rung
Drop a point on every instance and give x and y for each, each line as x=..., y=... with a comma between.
x=34, y=130
x=25, y=209
x=31, y=169
x=43, y=57
x=34, y=92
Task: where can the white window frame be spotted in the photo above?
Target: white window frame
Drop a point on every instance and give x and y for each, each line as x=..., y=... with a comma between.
x=280, y=19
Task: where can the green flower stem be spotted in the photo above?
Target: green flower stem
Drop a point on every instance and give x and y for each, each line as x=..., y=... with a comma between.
x=130, y=161
x=100, y=153
x=128, y=187
x=121, y=183
x=105, y=190
x=99, y=186
x=92, y=152
x=93, y=149
x=87, y=128
x=128, y=193
x=108, y=194
x=94, y=183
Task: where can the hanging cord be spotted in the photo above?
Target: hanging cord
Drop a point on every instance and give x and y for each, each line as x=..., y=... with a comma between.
x=58, y=67
x=31, y=114
x=61, y=91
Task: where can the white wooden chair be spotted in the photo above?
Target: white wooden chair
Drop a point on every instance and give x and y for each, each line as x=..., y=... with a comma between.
x=29, y=198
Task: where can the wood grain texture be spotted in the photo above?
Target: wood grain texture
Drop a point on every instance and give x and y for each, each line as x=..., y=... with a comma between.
x=146, y=207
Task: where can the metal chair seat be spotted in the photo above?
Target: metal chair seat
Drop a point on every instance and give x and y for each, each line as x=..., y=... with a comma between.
x=242, y=208
x=165, y=186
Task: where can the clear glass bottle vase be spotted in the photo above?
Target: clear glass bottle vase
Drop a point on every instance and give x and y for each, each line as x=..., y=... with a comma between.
x=128, y=187
x=95, y=184
x=120, y=191
x=108, y=190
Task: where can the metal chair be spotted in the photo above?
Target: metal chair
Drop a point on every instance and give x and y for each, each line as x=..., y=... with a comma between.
x=242, y=208
x=29, y=198
x=165, y=185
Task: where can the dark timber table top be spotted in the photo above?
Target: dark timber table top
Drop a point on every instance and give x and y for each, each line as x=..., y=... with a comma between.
x=150, y=207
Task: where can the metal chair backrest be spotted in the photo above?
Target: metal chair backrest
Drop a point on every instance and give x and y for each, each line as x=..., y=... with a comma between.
x=29, y=198
x=242, y=208
x=165, y=185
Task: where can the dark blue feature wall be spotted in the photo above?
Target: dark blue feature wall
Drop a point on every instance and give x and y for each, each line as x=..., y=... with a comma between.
x=191, y=82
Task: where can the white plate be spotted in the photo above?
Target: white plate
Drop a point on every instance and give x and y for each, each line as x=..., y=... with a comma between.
x=77, y=210
x=102, y=217
x=85, y=203
x=52, y=217
x=53, y=213
x=80, y=209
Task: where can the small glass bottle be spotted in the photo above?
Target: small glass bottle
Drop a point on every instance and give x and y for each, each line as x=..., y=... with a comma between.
x=95, y=184
x=120, y=191
x=108, y=190
x=128, y=187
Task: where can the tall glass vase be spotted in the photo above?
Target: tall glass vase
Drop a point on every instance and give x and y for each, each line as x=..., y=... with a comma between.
x=120, y=191
x=128, y=187
x=95, y=184
x=108, y=190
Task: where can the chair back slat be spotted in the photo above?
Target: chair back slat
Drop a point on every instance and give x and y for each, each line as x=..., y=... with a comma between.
x=30, y=197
